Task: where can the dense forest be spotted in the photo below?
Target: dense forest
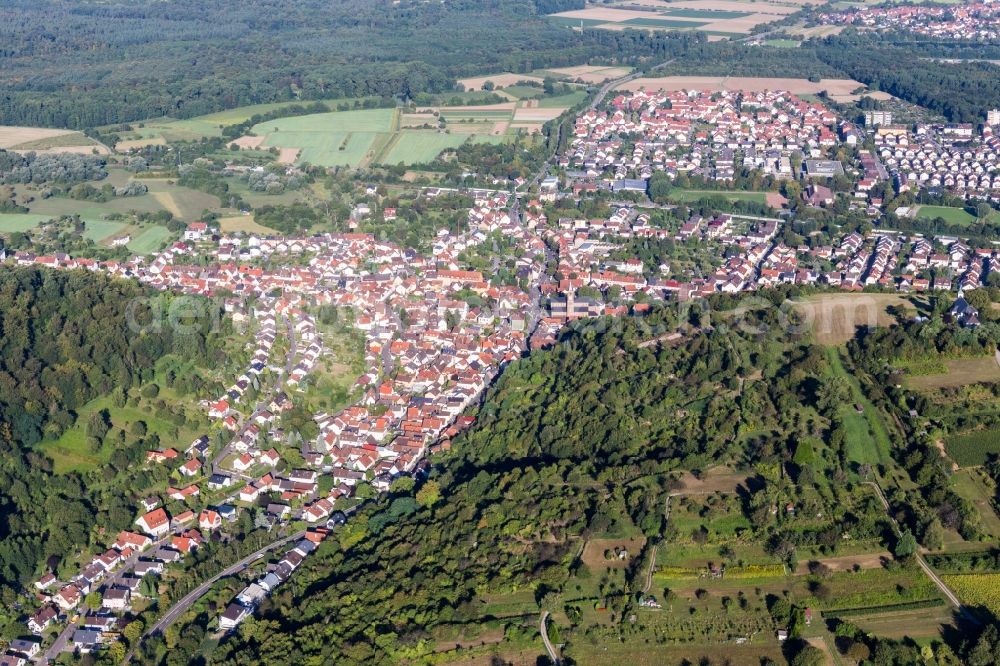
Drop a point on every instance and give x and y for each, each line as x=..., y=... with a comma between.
x=65, y=339
x=960, y=91
x=87, y=64
x=62, y=168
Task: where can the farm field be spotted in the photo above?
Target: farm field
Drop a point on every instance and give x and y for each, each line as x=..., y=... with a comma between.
x=972, y=449
x=500, y=81
x=916, y=624
x=96, y=229
x=387, y=136
x=73, y=142
x=675, y=655
x=149, y=239
x=164, y=130
x=961, y=371
x=11, y=136
x=978, y=589
x=101, y=231
x=715, y=17
x=420, y=147
x=184, y=203
x=589, y=73
x=835, y=317
x=974, y=487
x=749, y=83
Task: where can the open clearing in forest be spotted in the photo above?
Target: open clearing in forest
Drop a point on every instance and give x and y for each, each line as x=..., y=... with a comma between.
x=590, y=73
x=502, y=80
x=715, y=480
x=593, y=553
x=835, y=317
x=748, y=83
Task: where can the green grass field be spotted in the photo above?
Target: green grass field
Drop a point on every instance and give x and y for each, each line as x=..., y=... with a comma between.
x=70, y=453
x=369, y=120
x=11, y=222
x=867, y=440
x=148, y=240
x=956, y=216
x=569, y=100
x=421, y=147
x=99, y=230
x=782, y=43
x=345, y=138
x=95, y=229
x=694, y=195
x=970, y=485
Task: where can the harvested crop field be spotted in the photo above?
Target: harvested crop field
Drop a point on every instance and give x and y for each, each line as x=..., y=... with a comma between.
x=536, y=115
x=503, y=80
x=738, y=25
x=609, y=14
x=748, y=83
x=243, y=223
x=590, y=73
x=248, y=142
x=11, y=135
x=735, y=6
x=89, y=149
x=835, y=317
x=287, y=155
x=417, y=119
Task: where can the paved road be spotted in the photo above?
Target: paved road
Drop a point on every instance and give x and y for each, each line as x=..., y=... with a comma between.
x=185, y=603
x=181, y=606
x=553, y=655
x=62, y=640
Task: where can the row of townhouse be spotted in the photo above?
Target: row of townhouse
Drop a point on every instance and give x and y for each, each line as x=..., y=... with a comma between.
x=924, y=160
x=244, y=603
x=699, y=132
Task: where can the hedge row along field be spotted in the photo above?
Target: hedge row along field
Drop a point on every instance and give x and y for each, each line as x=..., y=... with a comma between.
x=976, y=589
x=876, y=610
x=749, y=571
